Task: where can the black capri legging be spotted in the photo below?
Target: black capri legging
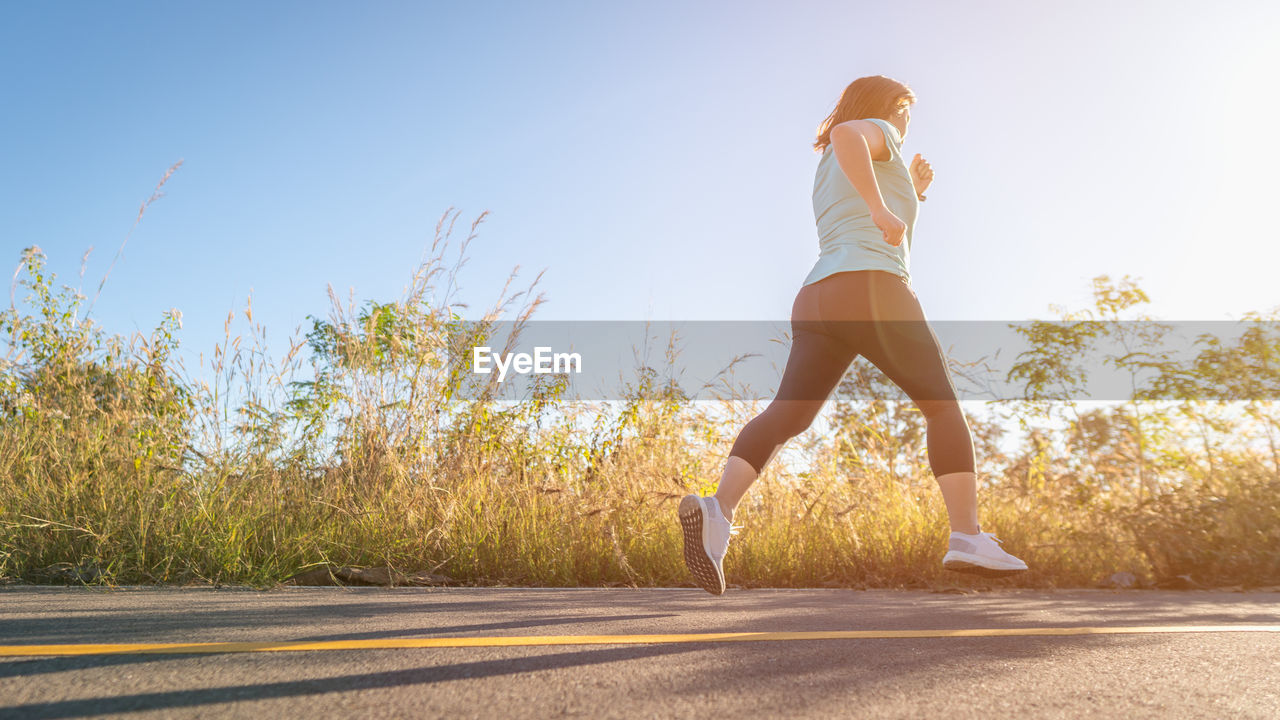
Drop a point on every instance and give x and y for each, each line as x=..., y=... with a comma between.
x=877, y=315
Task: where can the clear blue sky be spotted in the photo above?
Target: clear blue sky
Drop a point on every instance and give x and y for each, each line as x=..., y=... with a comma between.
x=654, y=157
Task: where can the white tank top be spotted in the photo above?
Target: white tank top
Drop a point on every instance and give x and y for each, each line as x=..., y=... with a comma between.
x=847, y=238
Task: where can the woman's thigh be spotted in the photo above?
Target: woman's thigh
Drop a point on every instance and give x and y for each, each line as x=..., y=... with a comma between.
x=817, y=359
x=879, y=316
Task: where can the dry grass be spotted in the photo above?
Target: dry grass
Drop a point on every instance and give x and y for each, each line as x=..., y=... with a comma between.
x=363, y=444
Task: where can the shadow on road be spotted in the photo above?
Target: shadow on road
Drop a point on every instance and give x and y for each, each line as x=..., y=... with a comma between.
x=363, y=681
x=506, y=625
x=818, y=670
x=24, y=668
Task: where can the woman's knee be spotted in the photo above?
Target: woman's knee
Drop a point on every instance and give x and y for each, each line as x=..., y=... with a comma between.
x=941, y=408
x=933, y=392
x=789, y=418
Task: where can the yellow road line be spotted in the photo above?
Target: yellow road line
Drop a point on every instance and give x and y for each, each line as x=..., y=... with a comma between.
x=533, y=640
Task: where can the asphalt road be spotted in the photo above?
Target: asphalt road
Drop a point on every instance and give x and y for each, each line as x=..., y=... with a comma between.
x=1214, y=673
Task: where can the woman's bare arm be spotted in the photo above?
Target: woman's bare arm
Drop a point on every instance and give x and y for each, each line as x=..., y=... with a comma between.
x=855, y=143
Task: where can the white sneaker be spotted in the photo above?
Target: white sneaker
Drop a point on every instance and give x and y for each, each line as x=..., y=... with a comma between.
x=706, y=539
x=981, y=555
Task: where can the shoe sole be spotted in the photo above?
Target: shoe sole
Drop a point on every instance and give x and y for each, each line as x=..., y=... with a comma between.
x=704, y=570
x=958, y=564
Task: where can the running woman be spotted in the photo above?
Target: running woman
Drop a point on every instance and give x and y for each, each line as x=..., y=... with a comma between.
x=857, y=300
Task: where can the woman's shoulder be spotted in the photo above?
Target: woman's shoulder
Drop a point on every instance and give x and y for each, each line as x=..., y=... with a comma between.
x=863, y=126
x=890, y=131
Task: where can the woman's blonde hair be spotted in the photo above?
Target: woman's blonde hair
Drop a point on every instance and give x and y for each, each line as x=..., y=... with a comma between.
x=874, y=96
